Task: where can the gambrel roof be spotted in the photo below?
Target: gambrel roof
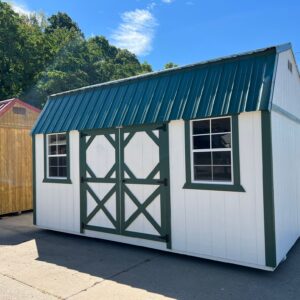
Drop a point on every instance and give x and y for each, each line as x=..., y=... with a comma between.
x=223, y=86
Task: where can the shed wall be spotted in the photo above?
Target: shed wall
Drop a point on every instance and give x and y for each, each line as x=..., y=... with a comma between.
x=227, y=226
x=286, y=163
x=215, y=223
x=16, y=160
x=57, y=205
x=286, y=173
x=13, y=120
x=15, y=170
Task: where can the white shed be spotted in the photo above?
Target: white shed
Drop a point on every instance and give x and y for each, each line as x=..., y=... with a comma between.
x=201, y=160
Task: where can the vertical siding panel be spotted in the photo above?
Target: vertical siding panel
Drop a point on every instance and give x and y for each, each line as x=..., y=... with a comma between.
x=218, y=224
x=232, y=226
x=204, y=234
x=259, y=203
x=285, y=133
x=192, y=221
x=247, y=200
x=177, y=179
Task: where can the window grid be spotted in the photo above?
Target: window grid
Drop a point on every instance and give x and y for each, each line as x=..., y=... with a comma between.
x=212, y=151
x=57, y=143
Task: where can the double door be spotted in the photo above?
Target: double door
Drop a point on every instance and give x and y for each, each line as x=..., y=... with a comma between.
x=125, y=182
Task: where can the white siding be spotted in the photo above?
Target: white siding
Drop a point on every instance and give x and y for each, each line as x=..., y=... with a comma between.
x=58, y=204
x=287, y=85
x=217, y=224
x=286, y=173
x=286, y=163
x=225, y=226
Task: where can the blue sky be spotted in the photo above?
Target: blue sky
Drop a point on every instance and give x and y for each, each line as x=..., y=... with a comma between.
x=182, y=31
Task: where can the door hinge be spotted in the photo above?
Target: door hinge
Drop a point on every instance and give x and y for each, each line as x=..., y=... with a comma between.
x=164, y=181
x=162, y=127
x=82, y=179
x=167, y=237
x=82, y=227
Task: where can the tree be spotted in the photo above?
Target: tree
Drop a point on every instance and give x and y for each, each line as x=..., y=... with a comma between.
x=170, y=65
x=146, y=68
x=62, y=21
x=40, y=56
x=22, y=52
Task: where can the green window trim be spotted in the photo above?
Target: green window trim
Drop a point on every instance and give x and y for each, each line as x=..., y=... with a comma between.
x=236, y=186
x=46, y=179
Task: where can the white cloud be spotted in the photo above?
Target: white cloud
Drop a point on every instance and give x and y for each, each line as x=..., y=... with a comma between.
x=136, y=31
x=151, y=5
x=167, y=1
x=20, y=8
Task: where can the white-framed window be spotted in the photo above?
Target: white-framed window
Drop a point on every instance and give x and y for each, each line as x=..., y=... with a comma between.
x=57, y=156
x=211, y=150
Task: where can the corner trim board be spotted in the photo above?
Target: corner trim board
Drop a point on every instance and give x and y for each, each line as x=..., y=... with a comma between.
x=268, y=190
x=33, y=180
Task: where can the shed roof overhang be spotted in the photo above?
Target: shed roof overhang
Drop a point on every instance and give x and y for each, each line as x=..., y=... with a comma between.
x=224, y=86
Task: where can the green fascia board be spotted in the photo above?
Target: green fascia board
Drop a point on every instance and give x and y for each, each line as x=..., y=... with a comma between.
x=225, y=86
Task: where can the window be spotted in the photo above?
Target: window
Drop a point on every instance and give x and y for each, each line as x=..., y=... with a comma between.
x=212, y=154
x=56, y=158
x=19, y=110
x=211, y=150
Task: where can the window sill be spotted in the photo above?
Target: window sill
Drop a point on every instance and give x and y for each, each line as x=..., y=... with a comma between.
x=52, y=180
x=214, y=187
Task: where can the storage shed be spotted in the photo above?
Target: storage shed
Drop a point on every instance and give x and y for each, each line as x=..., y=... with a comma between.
x=201, y=160
x=16, y=121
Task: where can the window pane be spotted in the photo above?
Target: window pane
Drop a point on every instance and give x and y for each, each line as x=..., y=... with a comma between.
x=202, y=158
x=53, y=161
x=61, y=138
x=200, y=127
x=222, y=158
x=220, y=125
x=202, y=173
x=221, y=140
x=62, y=171
x=53, y=171
x=62, y=149
x=52, y=150
x=201, y=142
x=52, y=139
x=62, y=161
x=222, y=173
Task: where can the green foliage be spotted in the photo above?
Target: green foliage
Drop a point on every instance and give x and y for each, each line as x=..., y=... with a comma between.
x=62, y=21
x=170, y=65
x=40, y=56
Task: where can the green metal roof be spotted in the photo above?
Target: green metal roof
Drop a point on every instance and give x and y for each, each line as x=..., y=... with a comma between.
x=219, y=87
